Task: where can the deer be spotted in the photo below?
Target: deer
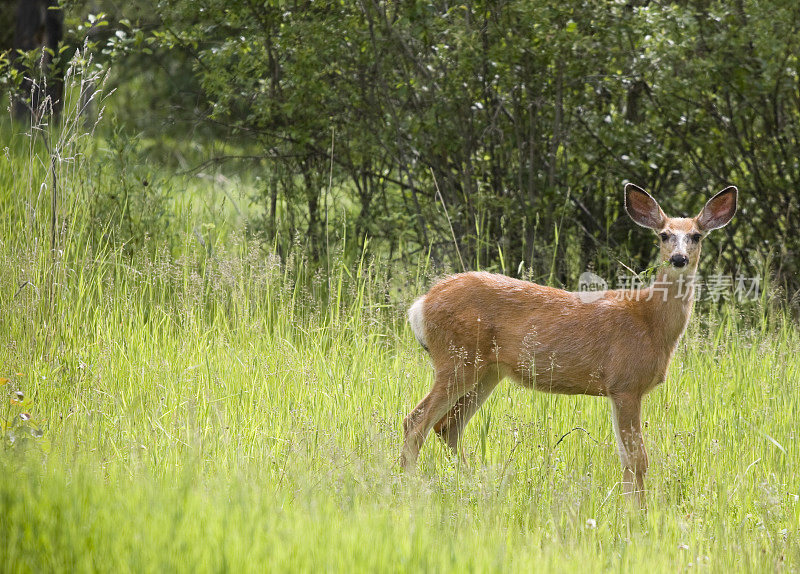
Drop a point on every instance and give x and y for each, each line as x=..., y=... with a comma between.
x=480, y=328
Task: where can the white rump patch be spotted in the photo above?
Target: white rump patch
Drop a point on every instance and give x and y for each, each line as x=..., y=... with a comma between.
x=416, y=316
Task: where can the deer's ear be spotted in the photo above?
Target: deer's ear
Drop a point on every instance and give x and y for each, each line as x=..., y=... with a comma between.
x=642, y=208
x=719, y=210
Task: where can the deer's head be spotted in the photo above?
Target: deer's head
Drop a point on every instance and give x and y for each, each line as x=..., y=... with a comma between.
x=680, y=237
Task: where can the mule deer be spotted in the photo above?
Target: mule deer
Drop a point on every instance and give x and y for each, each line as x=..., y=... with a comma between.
x=481, y=327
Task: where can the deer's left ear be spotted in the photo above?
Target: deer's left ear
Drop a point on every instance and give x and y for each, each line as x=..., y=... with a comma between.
x=719, y=210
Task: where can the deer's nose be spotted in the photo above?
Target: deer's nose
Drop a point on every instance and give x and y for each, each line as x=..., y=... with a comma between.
x=679, y=260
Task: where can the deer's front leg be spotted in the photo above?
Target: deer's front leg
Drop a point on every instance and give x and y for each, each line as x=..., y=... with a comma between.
x=630, y=443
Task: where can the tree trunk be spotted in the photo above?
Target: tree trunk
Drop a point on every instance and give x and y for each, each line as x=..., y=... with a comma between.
x=39, y=26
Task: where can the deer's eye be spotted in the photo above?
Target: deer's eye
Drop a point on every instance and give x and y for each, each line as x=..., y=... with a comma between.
x=696, y=237
x=664, y=236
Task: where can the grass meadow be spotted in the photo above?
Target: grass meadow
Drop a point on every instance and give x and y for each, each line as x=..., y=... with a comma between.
x=214, y=407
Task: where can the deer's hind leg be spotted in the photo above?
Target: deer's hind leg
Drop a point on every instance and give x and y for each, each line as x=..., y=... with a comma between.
x=450, y=427
x=449, y=386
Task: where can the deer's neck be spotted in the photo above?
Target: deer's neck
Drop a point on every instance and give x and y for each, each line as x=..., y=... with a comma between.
x=671, y=301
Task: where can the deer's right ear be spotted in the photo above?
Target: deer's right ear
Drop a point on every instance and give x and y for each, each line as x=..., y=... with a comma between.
x=642, y=208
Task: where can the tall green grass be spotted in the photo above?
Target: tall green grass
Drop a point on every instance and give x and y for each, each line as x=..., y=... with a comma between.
x=195, y=409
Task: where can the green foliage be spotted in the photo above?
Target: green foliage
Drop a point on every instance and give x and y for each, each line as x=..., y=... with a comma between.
x=513, y=110
x=526, y=116
x=129, y=202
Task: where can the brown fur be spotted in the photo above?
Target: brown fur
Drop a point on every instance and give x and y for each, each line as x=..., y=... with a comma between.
x=482, y=327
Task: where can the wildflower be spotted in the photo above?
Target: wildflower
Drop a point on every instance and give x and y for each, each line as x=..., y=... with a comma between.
x=683, y=546
x=591, y=523
x=25, y=416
